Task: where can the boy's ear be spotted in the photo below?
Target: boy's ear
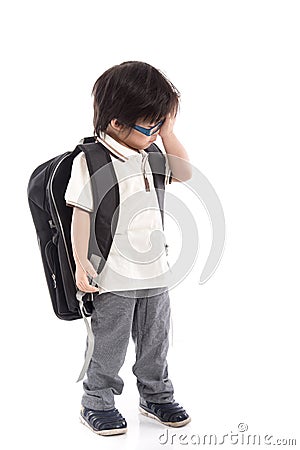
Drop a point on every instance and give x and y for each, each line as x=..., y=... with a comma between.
x=116, y=124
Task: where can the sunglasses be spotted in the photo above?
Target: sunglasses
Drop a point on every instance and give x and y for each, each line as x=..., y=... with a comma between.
x=149, y=131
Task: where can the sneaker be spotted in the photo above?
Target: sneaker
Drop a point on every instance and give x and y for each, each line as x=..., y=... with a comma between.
x=171, y=414
x=106, y=423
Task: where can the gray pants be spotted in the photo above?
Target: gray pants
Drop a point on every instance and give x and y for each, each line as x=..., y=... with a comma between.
x=145, y=314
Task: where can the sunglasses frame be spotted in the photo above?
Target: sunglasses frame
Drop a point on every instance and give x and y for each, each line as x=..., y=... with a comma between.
x=147, y=131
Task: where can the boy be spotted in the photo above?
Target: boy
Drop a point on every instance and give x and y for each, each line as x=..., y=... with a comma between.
x=133, y=103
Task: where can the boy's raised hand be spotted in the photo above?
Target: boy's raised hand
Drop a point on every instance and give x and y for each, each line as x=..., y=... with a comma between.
x=168, y=125
x=81, y=276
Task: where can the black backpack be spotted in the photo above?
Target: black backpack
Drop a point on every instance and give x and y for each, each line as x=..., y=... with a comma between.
x=52, y=220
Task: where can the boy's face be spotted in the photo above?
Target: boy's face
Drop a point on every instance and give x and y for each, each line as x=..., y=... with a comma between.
x=135, y=140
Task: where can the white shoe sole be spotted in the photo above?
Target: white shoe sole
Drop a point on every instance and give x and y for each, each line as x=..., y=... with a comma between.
x=170, y=424
x=111, y=432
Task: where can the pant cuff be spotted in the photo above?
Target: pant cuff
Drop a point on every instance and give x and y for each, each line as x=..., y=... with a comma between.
x=96, y=405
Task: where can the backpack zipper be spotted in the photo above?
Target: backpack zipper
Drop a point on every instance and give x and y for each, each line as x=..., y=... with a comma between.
x=57, y=214
x=50, y=260
x=54, y=280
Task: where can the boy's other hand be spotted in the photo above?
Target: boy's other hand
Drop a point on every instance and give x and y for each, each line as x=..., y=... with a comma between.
x=81, y=277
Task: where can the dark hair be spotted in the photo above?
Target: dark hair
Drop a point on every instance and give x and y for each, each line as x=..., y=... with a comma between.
x=132, y=91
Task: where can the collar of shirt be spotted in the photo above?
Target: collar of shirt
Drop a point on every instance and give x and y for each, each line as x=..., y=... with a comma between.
x=119, y=150
x=122, y=152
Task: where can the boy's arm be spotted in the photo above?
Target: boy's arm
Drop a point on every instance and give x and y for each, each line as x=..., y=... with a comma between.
x=80, y=235
x=178, y=158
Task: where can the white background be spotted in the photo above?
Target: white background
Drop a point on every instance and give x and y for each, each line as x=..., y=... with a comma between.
x=235, y=352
